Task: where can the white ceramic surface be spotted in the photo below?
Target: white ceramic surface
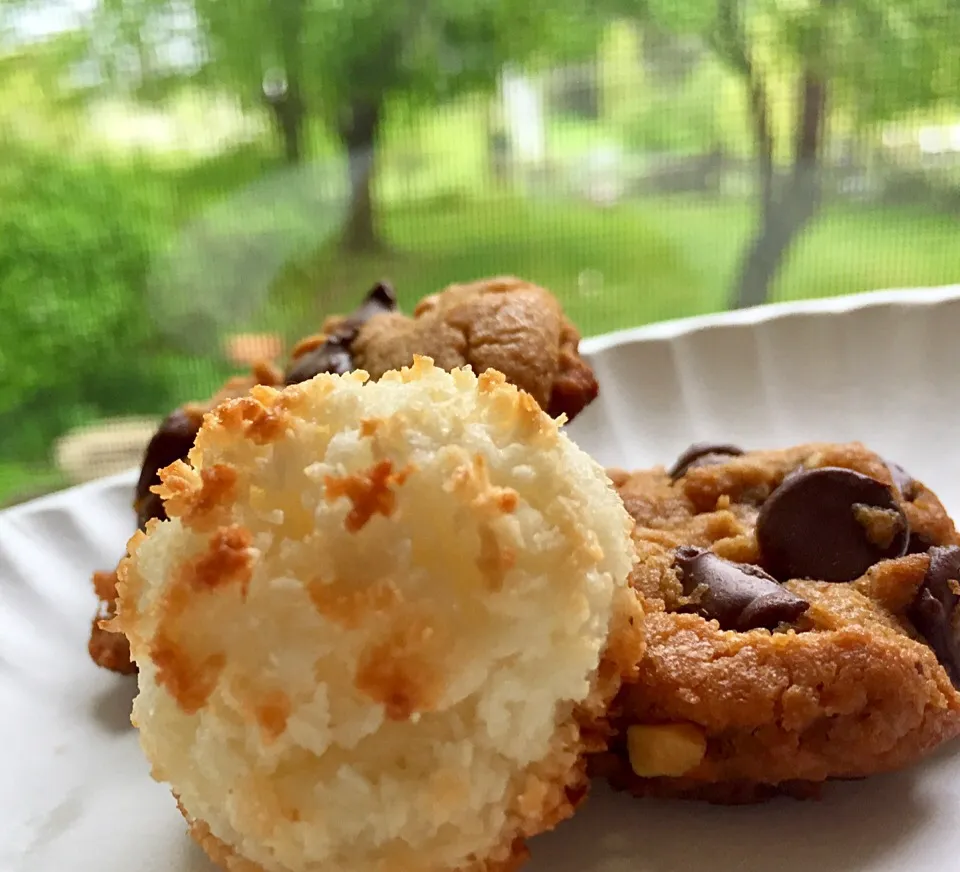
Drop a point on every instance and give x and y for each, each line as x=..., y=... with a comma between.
x=75, y=794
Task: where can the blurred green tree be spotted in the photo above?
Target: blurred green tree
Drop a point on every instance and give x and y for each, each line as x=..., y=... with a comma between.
x=75, y=343
x=870, y=60
x=343, y=63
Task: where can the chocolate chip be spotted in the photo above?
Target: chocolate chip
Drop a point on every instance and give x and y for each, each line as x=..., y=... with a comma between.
x=150, y=507
x=738, y=596
x=919, y=544
x=906, y=483
x=172, y=441
x=910, y=488
x=934, y=609
x=380, y=298
x=830, y=524
x=333, y=356
x=702, y=454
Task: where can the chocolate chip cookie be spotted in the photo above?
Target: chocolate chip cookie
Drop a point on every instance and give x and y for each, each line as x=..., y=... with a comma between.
x=503, y=323
x=803, y=623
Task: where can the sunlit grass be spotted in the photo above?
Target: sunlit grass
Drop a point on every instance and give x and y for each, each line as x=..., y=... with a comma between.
x=613, y=268
x=625, y=266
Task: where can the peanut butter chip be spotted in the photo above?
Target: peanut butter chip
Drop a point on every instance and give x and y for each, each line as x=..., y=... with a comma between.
x=665, y=750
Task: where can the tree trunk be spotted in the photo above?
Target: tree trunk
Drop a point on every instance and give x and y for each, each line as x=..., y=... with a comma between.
x=787, y=209
x=286, y=98
x=359, y=129
x=288, y=118
x=145, y=62
x=763, y=139
x=769, y=249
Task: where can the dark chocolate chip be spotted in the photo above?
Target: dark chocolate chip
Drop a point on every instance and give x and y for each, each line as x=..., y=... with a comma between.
x=738, y=596
x=333, y=356
x=934, y=609
x=919, y=544
x=702, y=454
x=830, y=524
x=172, y=441
x=380, y=298
x=906, y=483
x=910, y=488
x=150, y=507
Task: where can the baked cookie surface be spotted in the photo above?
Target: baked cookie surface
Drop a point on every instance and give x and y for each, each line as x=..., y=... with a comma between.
x=802, y=623
x=502, y=323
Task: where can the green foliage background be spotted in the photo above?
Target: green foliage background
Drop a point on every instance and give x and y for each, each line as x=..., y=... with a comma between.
x=75, y=244
x=104, y=312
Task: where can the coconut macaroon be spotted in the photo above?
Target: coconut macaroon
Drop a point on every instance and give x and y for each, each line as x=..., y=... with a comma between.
x=381, y=626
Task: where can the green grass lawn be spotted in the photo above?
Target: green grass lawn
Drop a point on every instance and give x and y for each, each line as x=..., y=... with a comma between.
x=612, y=268
x=21, y=481
x=622, y=267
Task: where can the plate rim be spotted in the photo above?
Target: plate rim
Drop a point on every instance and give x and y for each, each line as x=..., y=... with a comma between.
x=754, y=315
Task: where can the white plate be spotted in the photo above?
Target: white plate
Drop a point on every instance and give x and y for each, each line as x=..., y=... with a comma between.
x=75, y=795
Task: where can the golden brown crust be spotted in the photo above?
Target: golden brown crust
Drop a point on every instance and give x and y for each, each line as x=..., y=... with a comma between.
x=402, y=671
x=537, y=798
x=107, y=648
x=181, y=492
x=226, y=562
x=370, y=492
x=272, y=713
x=349, y=606
x=219, y=852
x=189, y=672
x=195, y=497
x=849, y=691
x=509, y=857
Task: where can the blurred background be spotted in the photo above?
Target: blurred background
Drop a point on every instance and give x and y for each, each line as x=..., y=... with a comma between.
x=186, y=185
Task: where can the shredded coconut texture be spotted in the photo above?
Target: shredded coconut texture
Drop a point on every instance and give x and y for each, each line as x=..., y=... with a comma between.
x=374, y=631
